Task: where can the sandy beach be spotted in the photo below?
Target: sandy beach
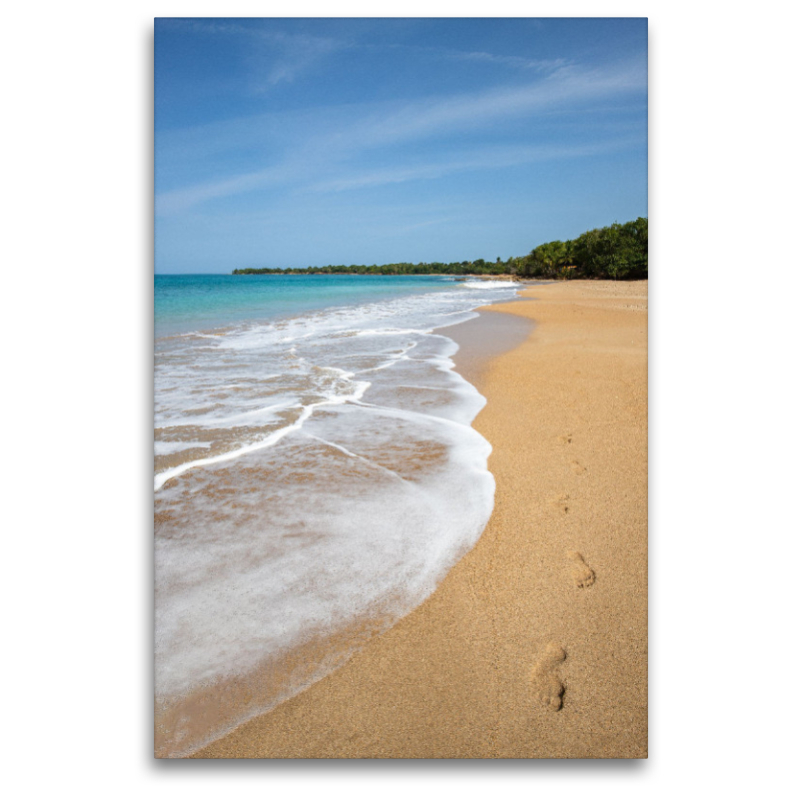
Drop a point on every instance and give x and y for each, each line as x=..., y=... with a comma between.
x=535, y=644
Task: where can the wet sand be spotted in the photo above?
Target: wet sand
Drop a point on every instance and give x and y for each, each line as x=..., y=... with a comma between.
x=535, y=645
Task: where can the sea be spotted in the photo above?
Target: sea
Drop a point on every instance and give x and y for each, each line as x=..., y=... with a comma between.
x=316, y=475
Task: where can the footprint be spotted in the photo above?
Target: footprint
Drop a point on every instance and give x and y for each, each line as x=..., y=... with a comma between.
x=565, y=439
x=582, y=573
x=560, y=503
x=577, y=468
x=544, y=677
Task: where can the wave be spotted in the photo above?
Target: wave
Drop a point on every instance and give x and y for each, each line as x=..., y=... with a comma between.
x=489, y=284
x=329, y=482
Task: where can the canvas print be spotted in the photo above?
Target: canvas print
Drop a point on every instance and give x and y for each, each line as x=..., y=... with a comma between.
x=400, y=411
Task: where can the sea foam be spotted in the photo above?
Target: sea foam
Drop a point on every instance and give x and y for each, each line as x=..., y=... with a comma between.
x=329, y=480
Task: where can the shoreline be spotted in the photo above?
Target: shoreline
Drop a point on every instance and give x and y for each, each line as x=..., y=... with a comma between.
x=471, y=673
x=363, y=512
x=483, y=339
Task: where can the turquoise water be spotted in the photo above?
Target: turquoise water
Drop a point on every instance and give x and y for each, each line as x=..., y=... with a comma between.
x=316, y=475
x=190, y=302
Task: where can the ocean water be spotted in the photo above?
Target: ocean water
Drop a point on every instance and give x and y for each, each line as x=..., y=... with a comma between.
x=316, y=476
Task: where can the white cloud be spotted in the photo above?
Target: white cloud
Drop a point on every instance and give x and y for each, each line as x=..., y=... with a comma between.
x=517, y=62
x=273, y=56
x=279, y=57
x=327, y=155
x=567, y=86
x=178, y=200
x=494, y=158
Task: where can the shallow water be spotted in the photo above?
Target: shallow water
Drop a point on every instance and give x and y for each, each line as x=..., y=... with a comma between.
x=316, y=476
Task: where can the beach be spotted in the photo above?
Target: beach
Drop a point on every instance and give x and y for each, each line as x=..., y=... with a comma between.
x=535, y=643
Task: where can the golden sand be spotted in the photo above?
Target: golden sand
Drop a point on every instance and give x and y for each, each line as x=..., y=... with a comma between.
x=535, y=645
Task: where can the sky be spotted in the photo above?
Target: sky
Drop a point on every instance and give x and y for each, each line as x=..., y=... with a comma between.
x=309, y=142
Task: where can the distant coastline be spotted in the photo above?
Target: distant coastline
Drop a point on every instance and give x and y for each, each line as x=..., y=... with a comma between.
x=617, y=252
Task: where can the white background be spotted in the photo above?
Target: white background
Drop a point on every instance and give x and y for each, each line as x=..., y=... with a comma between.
x=77, y=302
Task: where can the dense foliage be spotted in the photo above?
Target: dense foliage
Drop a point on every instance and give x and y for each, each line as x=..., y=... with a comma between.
x=617, y=252
x=479, y=267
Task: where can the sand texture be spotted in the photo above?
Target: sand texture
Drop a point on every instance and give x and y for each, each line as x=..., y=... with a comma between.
x=535, y=645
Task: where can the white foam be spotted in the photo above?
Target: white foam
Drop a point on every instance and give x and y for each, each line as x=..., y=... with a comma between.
x=488, y=284
x=168, y=448
x=345, y=481
x=269, y=441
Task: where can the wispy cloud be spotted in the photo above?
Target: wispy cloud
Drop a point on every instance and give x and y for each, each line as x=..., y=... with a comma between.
x=516, y=62
x=495, y=158
x=329, y=156
x=281, y=57
x=273, y=56
x=419, y=51
x=178, y=200
x=435, y=116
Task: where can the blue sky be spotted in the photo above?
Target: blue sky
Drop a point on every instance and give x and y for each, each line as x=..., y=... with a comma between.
x=298, y=142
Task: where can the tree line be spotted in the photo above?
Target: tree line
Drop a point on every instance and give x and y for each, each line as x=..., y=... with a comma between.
x=618, y=251
x=478, y=267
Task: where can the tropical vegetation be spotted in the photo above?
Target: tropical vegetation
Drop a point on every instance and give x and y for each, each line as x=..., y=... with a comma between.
x=618, y=251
